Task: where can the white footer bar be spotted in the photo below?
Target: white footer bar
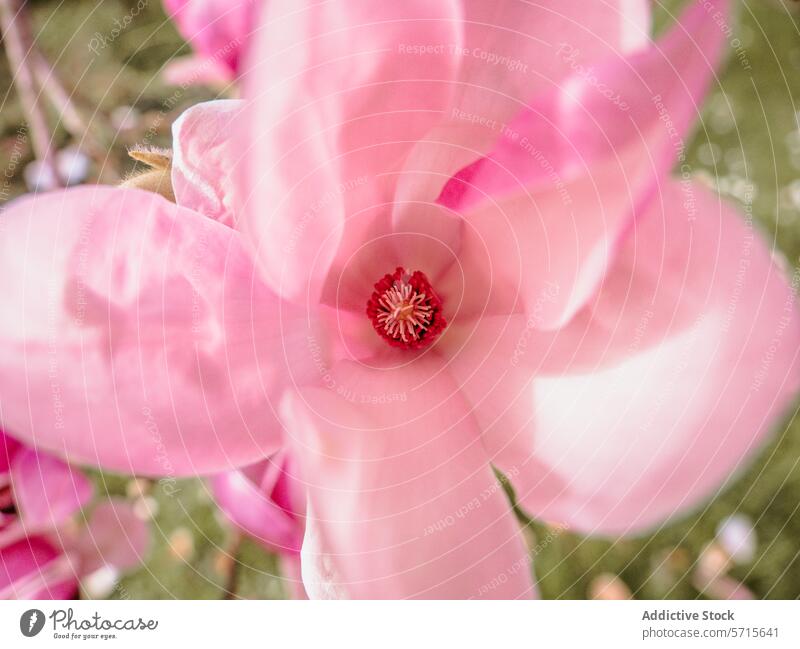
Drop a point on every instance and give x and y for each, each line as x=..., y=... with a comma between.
x=386, y=625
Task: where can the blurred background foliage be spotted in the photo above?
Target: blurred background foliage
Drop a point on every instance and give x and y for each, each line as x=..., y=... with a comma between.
x=749, y=138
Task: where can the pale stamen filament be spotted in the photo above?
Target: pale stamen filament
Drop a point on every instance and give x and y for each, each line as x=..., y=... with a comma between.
x=403, y=312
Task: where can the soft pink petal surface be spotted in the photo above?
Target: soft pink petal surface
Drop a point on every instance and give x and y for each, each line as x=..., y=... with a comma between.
x=47, y=491
x=163, y=330
x=562, y=185
x=34, y=569
x=544, y=252
x=487, y=359
x=259, y=499
x=217, y=29
x=403, y=502
x=335, y=105
x=510, y=52
x=657, y=392
x=633, y=107
x=203, y=157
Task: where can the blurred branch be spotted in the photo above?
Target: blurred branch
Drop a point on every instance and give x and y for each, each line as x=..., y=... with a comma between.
x=18, y=44
x=231, y=578
x=57, y=94
x=73, y=121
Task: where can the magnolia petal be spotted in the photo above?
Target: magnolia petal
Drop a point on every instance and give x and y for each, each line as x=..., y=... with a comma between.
x=642, y=103
x=513, y=51
x=487, y=359
x=256, y=512
x=217, y=29
x=204, y=154
x=403, y=502
x=135, y=334
x=658, y=392
x=46, y=490
x=563, y=184
x=34, y=569
x=337, y=99
x=542, y=253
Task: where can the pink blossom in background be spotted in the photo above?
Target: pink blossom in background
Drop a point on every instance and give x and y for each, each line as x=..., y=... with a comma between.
x=218, y=31
x=267, y=502
x=405, y=264
x=47, y=548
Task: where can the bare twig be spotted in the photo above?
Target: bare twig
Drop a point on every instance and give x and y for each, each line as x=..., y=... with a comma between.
x=71, y=118
x=51, y=86
x=18, y=44
x=231, y=578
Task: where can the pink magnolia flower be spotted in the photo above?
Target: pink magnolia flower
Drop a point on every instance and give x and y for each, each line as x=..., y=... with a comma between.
x=46, y=550
x=218, y=31
x=267, y=501
x=437, y=238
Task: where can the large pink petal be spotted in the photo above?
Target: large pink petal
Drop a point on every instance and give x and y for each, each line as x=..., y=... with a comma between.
x=403, y=502
x=487, y=358
x=34, y=569
x=644, y=101
x=218, y=29
x=514, y=47
x=204, y=155
x=654, y=396
x=562, y=185
x=544, y=252
x=336, y=101
x=136, y=334
x=513, y=51
x=259, y=511
x=47, y=491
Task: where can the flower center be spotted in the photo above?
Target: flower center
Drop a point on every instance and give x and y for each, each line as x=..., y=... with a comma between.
x=405, y=310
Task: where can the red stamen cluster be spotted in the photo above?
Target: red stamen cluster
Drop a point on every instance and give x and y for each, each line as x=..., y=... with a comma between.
x=405, y=310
